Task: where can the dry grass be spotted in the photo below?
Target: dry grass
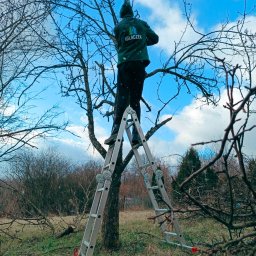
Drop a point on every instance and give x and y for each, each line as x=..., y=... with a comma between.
x=139, y=236
x=129, y=216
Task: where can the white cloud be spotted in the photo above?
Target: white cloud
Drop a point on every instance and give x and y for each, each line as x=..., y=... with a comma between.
x=196, y=123
x=79, y=149
x=84, y=142
x=170, y=24
x=7, y=110
x=244, y=46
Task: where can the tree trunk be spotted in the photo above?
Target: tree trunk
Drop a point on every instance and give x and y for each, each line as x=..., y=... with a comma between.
x=110, y=227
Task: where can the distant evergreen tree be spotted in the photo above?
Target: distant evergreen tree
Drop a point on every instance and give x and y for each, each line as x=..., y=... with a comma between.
x=252, y=171
x=190, y=163
x=202, y=183
x=211, y=179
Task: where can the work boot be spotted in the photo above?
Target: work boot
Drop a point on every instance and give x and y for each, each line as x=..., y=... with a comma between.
x=111, y=140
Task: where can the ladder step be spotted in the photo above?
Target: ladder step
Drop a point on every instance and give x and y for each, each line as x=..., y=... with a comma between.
x=129, y=125
x=104, y=181
x=94, y=215
x=86, y=243
x=153, y=187
x=106, y=166
x=162, y=210
x=170, y=233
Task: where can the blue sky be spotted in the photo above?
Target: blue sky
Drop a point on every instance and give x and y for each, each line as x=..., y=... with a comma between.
x=210, y=12
x=191, y=122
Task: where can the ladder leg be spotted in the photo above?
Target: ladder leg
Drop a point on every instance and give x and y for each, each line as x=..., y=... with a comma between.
x=104, y=182
x=100, y=198
x=160, y=212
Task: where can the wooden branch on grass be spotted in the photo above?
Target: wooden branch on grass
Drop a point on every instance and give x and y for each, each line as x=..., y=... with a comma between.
x=65, y=232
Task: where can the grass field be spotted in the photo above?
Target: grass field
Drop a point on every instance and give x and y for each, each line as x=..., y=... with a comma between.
x=139, y=236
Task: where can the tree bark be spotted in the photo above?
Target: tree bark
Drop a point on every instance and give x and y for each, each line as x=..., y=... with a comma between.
x=110, y=227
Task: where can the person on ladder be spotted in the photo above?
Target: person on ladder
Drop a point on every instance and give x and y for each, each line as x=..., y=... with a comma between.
x=133, y=35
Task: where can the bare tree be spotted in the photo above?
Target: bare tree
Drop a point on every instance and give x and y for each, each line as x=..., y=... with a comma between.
x=20, y=120
x=19, y=51
x=44, y=184
x=82, y=44
x=231, y=53
x=82, y=56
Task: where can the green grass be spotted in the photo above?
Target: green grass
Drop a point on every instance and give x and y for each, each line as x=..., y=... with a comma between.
x=139, y=236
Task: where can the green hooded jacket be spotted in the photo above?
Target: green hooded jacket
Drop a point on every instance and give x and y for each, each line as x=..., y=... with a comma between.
x=133, y=36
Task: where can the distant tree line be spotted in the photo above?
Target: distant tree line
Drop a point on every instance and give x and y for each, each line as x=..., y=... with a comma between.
x=50, y=183
x=43, y=184
x=211, y=185
x=47, y=182
x=51, y=42
x=203, y=184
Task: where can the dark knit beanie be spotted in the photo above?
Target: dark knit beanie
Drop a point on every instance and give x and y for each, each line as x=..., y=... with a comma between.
x=126, y=10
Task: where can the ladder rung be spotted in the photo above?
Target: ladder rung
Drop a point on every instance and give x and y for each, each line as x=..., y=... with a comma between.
x=129, y=125
x=94, y=215
x=153, y=187
x=86, y=243
x=170, y=233
x=183, y=245
x=104, y=181
x=162, y=210
x=106, y=166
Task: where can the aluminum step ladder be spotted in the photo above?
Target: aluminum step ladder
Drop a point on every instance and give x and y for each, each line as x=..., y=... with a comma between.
x=164, y=215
